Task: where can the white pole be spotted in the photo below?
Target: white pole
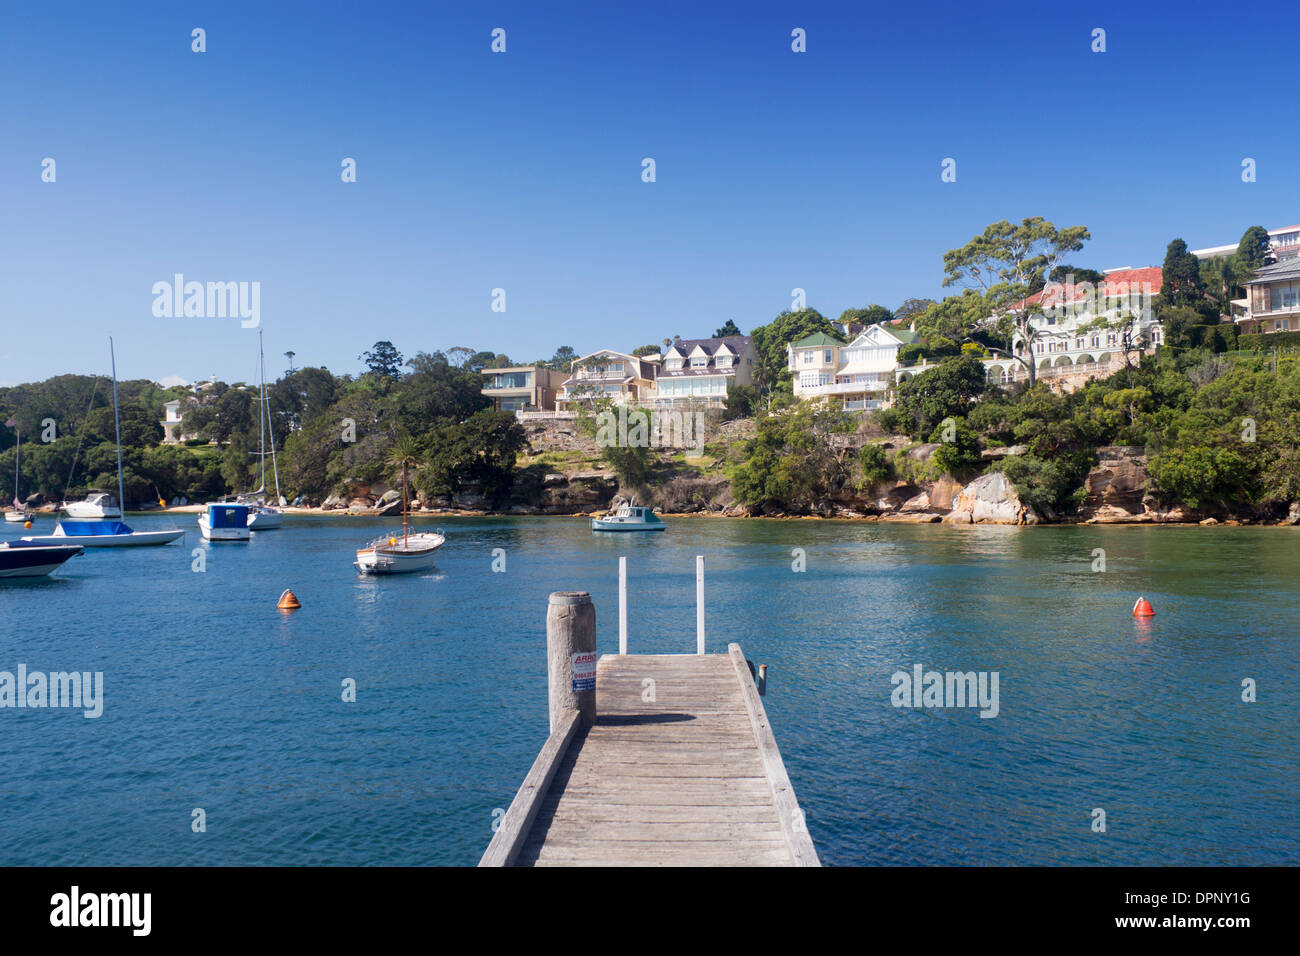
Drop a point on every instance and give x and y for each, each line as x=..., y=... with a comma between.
x=622, y=605
x=699, y=604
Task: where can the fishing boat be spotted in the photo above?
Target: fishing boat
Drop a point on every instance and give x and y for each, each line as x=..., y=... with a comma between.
x=261, y=515
x=18, y=514
x=224, y=521
x=23, y=559
x=96, y=504
x=100, y=505
x=629, y=516
x=394, y=554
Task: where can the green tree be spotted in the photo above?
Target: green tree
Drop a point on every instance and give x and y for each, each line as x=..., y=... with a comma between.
x=1007, y=263
x=945, y=391
x=728, y=328
x=1181, y=276
x=1254, y=250
x=383, y=360
x=911, y=309
x=641, y=350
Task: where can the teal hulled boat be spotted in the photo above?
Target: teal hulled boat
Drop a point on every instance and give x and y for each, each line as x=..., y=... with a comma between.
x=629, y=517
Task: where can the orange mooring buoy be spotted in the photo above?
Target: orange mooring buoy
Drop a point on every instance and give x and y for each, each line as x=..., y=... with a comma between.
x=289, y=601
x=1143, y=608
x=27, y=524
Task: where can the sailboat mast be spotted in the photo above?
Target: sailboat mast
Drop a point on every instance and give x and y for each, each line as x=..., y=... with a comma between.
x=404, y=535
x=117, y=428
x=18, y=451
x=261, y=409
x=270, y=430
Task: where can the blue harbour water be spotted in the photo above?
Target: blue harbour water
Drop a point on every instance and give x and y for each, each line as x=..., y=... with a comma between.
x=216, y=700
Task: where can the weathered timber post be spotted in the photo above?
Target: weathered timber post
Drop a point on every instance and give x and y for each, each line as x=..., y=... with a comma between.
x=571, y=656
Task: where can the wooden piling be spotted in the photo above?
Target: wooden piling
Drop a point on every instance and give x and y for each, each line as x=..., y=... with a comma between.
x=570, y=653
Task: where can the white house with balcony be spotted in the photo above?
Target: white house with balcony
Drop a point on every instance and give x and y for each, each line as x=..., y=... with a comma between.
x=702, y=371
x=860, y=372
x=1069, y=336
x=1273, y=299
x=620, y=378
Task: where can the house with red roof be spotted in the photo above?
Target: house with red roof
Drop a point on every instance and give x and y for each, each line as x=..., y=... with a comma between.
x=1086, y=327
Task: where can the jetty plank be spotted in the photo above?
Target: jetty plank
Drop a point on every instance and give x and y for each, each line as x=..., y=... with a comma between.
x=679, y=769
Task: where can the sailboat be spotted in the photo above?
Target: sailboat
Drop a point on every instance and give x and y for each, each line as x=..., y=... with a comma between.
x=18, y=514
x=105, y=534
x=263, y=516
x=415, y=552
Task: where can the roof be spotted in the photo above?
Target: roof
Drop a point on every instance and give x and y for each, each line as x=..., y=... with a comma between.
x=1286, y=269
x=734, y=343
x=815, y=340
x=1117, y=283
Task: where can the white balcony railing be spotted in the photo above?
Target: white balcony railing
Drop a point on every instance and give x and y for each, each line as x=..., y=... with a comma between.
x=841, y=388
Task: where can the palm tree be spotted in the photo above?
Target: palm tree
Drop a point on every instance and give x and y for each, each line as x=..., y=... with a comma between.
x=404, y=453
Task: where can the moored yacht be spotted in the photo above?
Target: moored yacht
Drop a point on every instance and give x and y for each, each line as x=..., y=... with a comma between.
x=97, y=504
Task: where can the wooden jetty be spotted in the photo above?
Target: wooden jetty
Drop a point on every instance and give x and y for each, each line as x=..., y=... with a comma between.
x=668, y=760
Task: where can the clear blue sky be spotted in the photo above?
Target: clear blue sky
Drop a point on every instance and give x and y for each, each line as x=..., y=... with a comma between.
x=522, y=171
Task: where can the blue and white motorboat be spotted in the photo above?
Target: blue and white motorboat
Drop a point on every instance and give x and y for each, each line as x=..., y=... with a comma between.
x=102, y=534
x=629, y=516
x=224, y=521
x=24, y=559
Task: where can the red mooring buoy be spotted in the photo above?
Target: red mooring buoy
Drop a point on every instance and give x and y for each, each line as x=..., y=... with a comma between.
x=289, y=601
x=1143, y=608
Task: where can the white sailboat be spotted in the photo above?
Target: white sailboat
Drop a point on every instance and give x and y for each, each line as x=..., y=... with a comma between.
x=101, y=533
x=96, y=505
x=263, y=516
x=18, y=514
x=388, y=554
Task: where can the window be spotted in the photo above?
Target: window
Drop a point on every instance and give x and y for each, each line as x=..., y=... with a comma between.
x=675, y=364
x=827, y=360
x=723, y=361
x=699, y=361
x=808, y=357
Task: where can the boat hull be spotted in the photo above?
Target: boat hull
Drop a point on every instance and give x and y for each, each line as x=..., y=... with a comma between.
x=597, y=524
x=221, y=534
x=16, y=517
x=265, y=520
x=132, y=539
x=34, y=561
x=378, y=559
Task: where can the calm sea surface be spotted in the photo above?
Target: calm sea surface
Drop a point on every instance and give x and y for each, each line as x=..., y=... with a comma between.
x=216, y=700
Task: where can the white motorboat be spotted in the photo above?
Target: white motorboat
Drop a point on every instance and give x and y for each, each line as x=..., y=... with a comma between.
x=97, y=504
x=102, y=534
x=224, y=521
x=629, y=516
x=23, y=559
x=400, y=552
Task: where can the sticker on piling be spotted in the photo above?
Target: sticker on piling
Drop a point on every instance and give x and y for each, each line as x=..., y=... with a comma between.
x=584, y=671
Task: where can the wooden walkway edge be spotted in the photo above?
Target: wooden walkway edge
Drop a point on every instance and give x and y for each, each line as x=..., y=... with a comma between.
x=679, y=768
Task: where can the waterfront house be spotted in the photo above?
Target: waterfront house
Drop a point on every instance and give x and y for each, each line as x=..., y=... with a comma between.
x=621, y=378
x=172, y=422
x=1273, y=299
x=860, y=373
x=1069, y=336
x=522, y=388
x=702, y=371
